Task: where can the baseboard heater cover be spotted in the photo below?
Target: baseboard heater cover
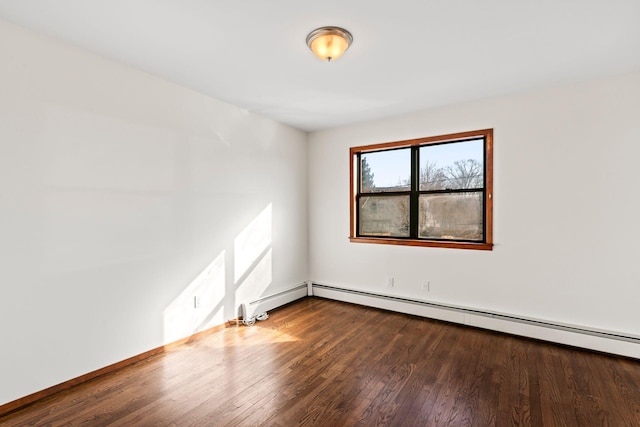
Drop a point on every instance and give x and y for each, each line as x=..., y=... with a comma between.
x=594, y=339
x=269, y=302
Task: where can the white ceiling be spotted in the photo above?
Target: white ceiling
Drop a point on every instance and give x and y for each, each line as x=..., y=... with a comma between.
x=407, y=55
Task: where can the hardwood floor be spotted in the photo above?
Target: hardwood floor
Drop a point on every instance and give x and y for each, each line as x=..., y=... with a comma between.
x=318, y=362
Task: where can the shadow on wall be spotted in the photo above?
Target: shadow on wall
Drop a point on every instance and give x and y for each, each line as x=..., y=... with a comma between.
x=201, y=304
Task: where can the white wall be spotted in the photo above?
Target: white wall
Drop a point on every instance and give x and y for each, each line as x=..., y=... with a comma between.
x=123, y=196
x=566, y=208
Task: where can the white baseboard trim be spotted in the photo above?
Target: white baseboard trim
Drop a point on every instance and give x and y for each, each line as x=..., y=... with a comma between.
x=574, y=335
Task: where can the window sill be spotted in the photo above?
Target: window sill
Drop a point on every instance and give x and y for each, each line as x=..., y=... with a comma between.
x=425, y=243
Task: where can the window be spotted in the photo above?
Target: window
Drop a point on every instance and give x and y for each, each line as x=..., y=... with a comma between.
x=434, y=191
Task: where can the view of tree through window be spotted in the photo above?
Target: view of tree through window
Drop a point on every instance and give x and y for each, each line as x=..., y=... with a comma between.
x=385, y=172
x=446, y=199
x=445, y=167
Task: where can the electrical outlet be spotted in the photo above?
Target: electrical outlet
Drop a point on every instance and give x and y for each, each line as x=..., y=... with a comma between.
x=391, y=282
x=425, y=286
x=196, y=302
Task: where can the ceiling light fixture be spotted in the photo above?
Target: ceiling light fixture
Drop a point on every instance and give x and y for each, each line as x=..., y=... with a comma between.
x=329, y=43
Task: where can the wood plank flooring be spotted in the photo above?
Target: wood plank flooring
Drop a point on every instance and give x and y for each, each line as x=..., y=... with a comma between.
x=318, y=362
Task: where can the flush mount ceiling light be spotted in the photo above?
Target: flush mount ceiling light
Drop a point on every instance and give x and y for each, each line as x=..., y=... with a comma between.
x=329, y=43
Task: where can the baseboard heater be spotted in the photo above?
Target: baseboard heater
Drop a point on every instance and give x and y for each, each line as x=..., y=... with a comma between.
x=595, y=339
x=252, y=309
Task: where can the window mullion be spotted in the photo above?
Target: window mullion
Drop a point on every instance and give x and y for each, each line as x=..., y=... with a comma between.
x=415, y=188
x=358, y=191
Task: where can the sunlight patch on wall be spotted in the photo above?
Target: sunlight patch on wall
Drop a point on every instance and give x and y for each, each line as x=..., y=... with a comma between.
x=200, y=305
x=254, y=284
x=253, y=258
x=251, y=243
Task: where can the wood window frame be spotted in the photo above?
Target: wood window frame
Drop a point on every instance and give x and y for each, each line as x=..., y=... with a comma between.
x=486, y=244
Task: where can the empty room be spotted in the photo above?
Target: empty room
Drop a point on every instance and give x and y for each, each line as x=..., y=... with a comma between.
x=281, y=213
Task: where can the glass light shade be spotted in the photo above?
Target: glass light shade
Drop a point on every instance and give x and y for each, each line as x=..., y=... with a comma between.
x=329, y=47
x=329, y=43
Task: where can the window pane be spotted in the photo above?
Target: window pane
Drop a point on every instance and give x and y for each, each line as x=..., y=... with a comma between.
x=455, y=216
x=457, y=165
x=386, y=171
x=384, y=216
